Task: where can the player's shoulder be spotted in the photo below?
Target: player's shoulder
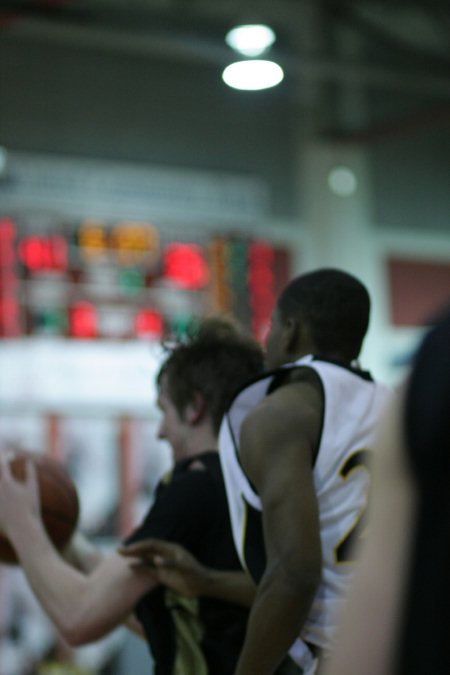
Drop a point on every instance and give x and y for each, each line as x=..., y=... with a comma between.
x=190, y=481
x=294, y=374
x=294, y=402
x=299, y=387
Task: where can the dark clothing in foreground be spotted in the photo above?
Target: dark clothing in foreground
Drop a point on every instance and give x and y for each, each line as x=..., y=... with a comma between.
x=423, y=644
x=205, y=635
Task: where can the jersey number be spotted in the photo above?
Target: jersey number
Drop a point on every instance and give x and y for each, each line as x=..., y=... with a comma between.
x=343, y=552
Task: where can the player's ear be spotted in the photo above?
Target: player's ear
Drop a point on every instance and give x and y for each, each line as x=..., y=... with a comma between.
x=291, y=334
x=196, y=408
x=297, y=336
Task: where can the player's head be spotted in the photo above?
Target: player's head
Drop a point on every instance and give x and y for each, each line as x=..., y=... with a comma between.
x=325, y=312
x=201, y=375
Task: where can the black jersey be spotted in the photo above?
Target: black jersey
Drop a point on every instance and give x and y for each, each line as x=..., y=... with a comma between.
x=205, y=635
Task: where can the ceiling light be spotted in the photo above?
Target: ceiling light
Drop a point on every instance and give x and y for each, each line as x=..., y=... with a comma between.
x=251, y=39
x=253, y=75
x=342, y=181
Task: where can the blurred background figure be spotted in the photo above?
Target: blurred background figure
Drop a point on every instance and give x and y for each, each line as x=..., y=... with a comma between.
x=397, y=618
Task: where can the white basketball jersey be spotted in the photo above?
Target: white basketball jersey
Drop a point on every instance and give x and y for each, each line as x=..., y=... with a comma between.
x=352, y=408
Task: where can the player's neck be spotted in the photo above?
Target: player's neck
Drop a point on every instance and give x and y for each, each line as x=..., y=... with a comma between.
x=201, y=439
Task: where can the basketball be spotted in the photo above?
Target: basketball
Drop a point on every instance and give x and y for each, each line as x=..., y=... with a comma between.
x=59, y=500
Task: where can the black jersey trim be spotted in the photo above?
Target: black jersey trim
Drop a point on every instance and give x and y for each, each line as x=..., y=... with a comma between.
x=236, y=453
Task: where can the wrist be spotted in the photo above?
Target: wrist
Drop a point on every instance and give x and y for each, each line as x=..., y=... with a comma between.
x=24, y=529
x=206, y=580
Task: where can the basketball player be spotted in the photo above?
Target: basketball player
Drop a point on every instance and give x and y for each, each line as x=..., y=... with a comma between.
x=403, y=577
x=294, y=449
x=189, y=636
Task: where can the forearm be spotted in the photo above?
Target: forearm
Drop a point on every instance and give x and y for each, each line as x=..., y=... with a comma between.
x=82, y=553
x=57, y=586
x=234, y=587
x=83, y=607
x=85, y=557
x=277, y=616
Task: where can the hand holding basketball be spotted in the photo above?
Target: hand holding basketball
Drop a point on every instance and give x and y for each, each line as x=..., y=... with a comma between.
x=36, y=484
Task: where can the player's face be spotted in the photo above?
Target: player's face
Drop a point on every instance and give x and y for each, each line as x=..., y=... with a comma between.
x=275, y=355
x=172, y=427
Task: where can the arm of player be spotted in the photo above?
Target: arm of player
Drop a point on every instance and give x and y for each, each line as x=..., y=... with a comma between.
x=277, y=442
x=175, y=567
x=83, y=608
x=85, y=556
x=82, y=554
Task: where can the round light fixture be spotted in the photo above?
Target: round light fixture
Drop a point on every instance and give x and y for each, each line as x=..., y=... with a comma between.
x=253, y=75
x=250, y=39
x=342, y=181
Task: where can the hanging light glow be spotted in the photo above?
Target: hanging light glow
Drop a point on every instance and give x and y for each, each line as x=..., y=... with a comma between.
x=251, y=39
x=342, y=181
x=253, y=75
